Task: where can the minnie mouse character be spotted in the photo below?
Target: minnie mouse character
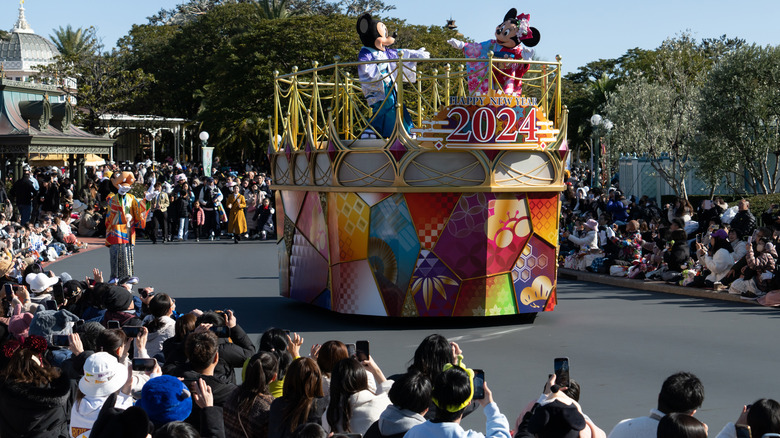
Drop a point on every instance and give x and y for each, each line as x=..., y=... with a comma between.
x=378, y=79
x=125, y=214
x=514, y=37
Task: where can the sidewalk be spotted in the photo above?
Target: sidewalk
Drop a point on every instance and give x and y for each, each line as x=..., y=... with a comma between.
x=650, y=285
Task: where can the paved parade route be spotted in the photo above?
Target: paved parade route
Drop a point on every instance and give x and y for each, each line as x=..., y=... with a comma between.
x=621, y=342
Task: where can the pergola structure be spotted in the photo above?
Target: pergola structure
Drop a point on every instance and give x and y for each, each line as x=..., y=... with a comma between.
x=37, y=119
x=128, y=150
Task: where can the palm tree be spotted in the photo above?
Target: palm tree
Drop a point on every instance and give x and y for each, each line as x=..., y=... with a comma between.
x=74, y=43
x=273, y=9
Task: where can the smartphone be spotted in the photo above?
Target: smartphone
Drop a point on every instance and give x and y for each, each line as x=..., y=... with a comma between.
x=361, y=350
x=479, y=384
x=143, y=292
x=698, y=238
x=189, y=383
x=144, y=364
x=561, y=367
x=50, y=305
x=347, y=435
x=9, y=290
x=351, y=351
x=222, y=331
x=132, y=330
x=60, y=340
x=113, y=324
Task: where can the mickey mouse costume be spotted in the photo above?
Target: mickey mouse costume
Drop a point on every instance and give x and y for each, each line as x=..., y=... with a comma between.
x=378, y=79
x=514, y=37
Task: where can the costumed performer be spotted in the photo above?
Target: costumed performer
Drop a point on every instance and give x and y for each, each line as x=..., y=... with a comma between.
x=236, y=204
x=125, y=214
x=378, y=79
x=514, y=37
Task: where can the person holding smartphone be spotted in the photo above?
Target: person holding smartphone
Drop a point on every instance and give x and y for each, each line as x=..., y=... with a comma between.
x=452, y=393
x=755, y=420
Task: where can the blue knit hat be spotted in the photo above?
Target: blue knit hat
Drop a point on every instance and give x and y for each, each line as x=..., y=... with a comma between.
x=165, y=399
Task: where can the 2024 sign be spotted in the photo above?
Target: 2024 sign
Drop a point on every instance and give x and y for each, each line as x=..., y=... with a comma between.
x=480, y=125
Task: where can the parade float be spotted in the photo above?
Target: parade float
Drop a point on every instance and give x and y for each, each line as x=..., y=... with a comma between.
x=451, y=210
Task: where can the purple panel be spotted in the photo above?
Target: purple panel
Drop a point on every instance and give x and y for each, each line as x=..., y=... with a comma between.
x=533, y=275
x=434, y=286
x=462, y=245
x=308, y=270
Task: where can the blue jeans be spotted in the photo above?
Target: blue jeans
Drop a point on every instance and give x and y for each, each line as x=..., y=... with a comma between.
x=25, y=211
x=184, y=224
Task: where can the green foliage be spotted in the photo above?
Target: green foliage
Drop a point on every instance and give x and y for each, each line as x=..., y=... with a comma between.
x=103, y=84
x=740, y=117
x=73, y=44
x=762, y=203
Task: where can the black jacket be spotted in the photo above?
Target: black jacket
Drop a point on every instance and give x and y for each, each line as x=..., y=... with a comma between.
x=23, y=191
x=276, y=426
x=30, y=411
x=221, y=389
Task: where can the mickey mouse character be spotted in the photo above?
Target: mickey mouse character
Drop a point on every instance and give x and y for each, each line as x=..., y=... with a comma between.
x=378, y=79
x=125, y=214
x=514, y=37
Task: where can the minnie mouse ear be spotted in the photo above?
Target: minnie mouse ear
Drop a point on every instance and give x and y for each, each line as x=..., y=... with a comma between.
x=512, y=14
x=534, y=40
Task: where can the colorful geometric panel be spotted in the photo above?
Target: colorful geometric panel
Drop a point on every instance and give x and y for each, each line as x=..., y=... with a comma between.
x=311, y=222
x=392, y=250
x=284, y=269
x=324, y=300
x=354, y=289
x=373, y=198
x=434, y=286
x=533, y=275
x=508, y=228
x=293, y=200
x=462, y=245
x=487, y=296
x=308, y=270
x=279, y=215
x=430, y=212
x=544, y=215
x=348, y=220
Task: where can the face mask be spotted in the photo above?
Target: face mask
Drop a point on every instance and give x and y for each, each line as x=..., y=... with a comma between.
x=760, y=247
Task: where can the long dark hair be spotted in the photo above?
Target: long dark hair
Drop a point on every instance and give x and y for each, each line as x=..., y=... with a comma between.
x=260, y=371
x=23, y=369
x=430, y=357
x=330, y=354
x=348, y=377
x=159, y=306
x=274, y=341
x=302, y=385
x=679, y=425
x=110, y=340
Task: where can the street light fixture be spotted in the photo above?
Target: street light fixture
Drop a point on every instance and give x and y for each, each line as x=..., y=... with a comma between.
x=204, y=138
x=601, y=127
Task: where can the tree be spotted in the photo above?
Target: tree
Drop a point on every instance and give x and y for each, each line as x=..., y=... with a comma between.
x=102, y=84
x=739, y=115
x=75, y=43
x=656, y=115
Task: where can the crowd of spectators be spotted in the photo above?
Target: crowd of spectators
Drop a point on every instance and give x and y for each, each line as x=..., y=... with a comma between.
x=44, y=216
x=108, y=360
x=711, y=245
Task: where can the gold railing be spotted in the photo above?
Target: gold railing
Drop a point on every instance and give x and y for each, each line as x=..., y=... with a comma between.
x=327, y=100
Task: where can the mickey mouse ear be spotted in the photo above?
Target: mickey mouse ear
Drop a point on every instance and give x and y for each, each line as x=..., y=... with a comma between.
x=363, y=23
x=534, y=40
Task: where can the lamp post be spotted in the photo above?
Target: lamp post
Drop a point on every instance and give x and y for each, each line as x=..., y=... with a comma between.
x=600, y=128
x=205, y=152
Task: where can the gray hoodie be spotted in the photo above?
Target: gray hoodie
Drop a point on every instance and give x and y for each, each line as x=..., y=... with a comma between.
x=394, y=420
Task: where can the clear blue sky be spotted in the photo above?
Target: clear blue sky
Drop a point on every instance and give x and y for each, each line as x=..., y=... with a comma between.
x=580, y=31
